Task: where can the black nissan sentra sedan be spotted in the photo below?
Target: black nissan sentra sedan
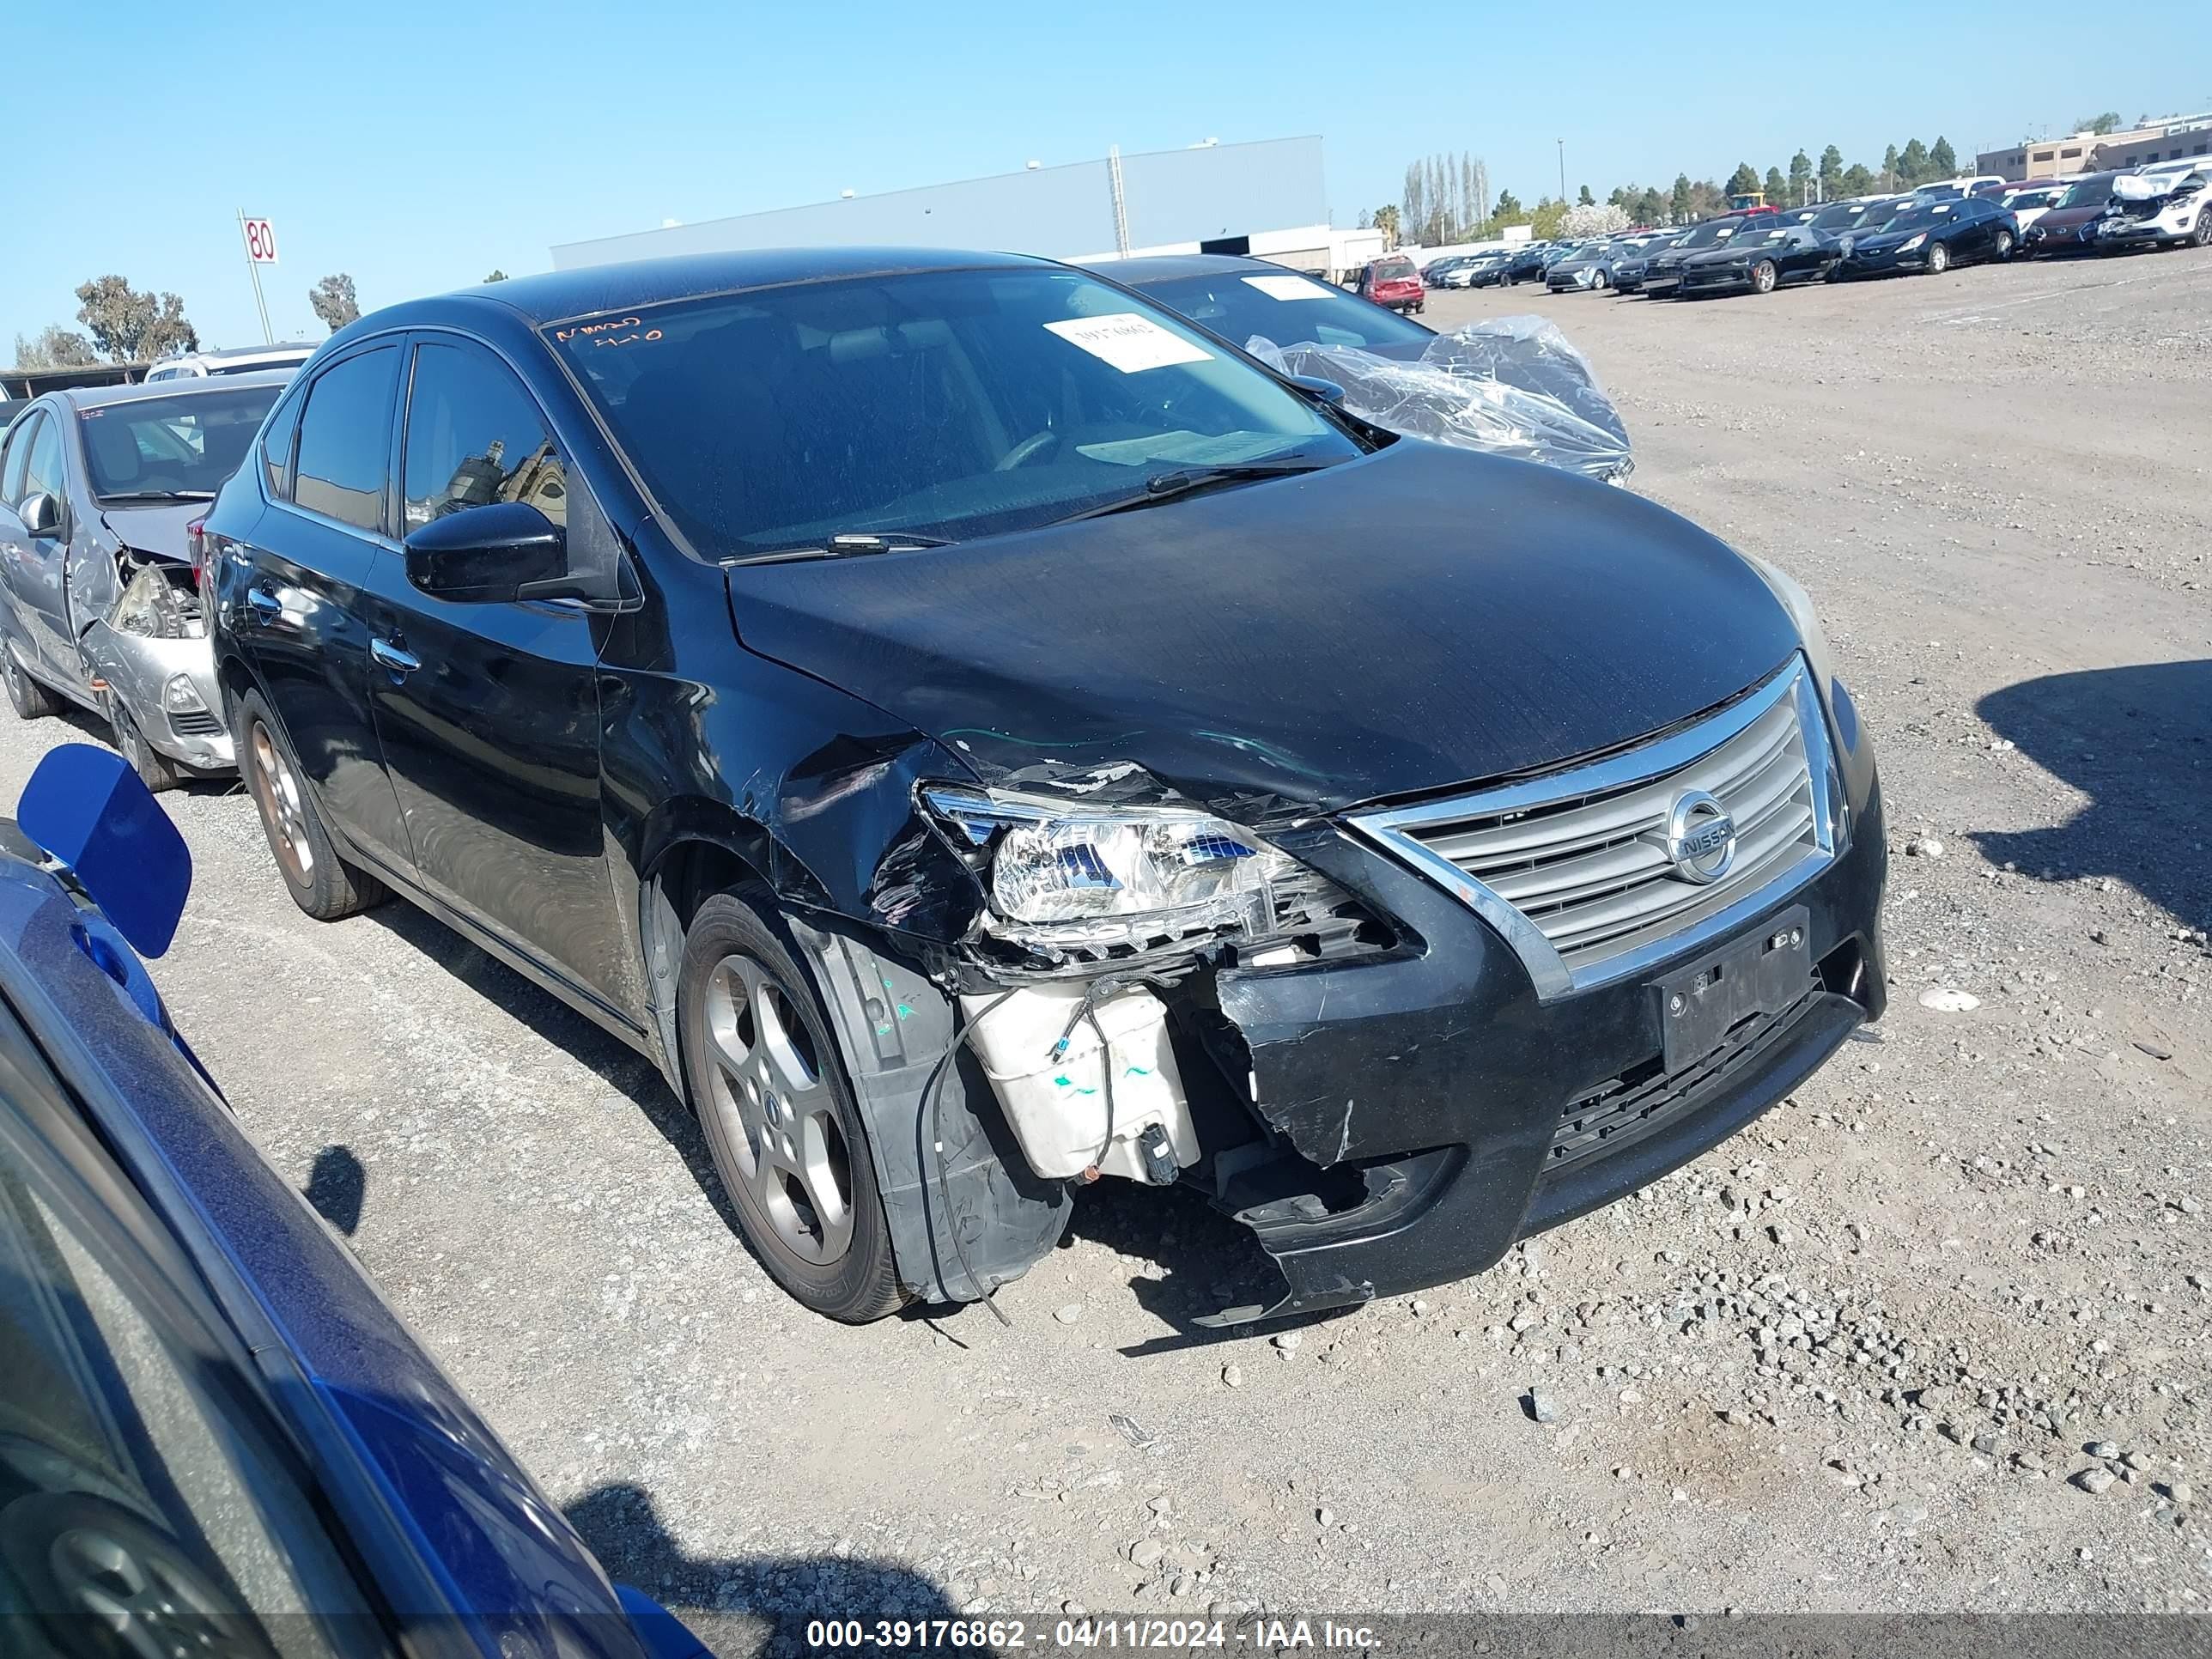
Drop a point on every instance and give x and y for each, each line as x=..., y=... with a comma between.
x=978, y=733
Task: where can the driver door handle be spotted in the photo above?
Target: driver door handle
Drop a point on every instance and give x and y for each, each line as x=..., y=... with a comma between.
x=393, y=658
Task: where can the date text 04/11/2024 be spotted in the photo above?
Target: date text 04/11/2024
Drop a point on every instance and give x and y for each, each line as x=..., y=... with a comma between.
x=1008, y=1635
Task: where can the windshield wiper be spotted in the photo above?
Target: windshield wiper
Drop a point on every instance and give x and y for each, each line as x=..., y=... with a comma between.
x=159, y=496
x=1166, y=486
x=845, y=544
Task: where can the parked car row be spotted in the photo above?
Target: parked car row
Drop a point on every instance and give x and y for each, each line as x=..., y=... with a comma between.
x=1956, y=222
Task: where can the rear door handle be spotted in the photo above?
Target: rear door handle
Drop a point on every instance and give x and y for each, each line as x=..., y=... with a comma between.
x=265, y=605
x=393, y=658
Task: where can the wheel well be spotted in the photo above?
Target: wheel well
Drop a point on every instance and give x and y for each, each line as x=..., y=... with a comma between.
x=694, y=871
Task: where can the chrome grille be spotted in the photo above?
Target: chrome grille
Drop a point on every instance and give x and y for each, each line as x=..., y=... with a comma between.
x=1574, y=867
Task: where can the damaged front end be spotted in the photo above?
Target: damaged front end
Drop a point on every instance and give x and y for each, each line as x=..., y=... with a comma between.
x=145, y=648
x=1337, y=1048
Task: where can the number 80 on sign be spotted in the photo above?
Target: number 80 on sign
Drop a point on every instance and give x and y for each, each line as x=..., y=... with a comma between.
x=260, y=241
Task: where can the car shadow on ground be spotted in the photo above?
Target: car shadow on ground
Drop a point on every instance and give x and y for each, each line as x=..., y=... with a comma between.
x=624, y=1070
x=338, y=1186
x=2138, y=742
x=746, y=1604
x=90, y=728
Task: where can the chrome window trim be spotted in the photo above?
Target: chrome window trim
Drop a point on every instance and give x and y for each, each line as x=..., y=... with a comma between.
x=1393, y=831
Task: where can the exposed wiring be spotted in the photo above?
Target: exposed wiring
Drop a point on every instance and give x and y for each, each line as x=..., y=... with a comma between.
x=932, y=1098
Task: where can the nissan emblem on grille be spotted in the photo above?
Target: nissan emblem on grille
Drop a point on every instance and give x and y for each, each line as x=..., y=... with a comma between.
x=1699, y=837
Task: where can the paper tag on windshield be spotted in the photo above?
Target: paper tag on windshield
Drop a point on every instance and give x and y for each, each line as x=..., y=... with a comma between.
x=1129, y=342
x=1288, y=288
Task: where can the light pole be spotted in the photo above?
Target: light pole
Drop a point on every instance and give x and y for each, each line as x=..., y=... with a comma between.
x=1562, y=173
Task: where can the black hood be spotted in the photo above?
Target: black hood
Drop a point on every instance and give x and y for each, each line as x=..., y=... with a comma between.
x=1421, y=617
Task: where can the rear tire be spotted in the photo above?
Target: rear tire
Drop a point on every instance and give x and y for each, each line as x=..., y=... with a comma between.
x=2004, y=245
x=322, y=884
x=154, y=770
x=767, y=1080
x=30, y=700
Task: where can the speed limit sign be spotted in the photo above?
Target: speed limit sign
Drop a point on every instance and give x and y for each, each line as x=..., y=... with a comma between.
x=260, y=241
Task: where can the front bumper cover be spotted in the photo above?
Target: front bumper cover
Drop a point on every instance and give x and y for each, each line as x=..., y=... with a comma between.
x=1442, y=1079
x=136, y=669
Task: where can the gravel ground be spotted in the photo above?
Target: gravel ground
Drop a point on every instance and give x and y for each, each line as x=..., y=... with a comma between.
x=1932, y=1335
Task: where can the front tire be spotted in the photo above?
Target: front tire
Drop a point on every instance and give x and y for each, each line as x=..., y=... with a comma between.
x=154, y=770
x=321, y=883
x=766, y=1079
x=1939, y=260
x=2200, y=233
x=30, y=700
x=1764, y=276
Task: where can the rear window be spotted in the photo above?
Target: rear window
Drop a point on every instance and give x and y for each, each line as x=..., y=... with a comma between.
x=1394, y=271
x=176, y=449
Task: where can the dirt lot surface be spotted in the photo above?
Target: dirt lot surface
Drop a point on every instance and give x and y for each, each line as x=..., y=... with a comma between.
x=1934, y=1335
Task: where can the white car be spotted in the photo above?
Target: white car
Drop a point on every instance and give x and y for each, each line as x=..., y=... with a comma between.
x=244, y=359
x=1966, y=185
x=2028, y=202
x=2159, y=208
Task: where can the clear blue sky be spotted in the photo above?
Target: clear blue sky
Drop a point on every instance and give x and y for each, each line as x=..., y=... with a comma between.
x=419, y=146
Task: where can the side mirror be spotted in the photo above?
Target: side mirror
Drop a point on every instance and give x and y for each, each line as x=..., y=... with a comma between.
x=42, y=514
x=1321, y=391
x=492, y=555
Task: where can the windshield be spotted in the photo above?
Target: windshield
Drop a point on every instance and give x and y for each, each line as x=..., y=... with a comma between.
x=2093, y=191
x=1286, y=308
x=1762, y=238
x=185, y=446
x=952, y=404
x=1712, y=231
x=2030, y=198
x=1842, y=216
x=1919, y=216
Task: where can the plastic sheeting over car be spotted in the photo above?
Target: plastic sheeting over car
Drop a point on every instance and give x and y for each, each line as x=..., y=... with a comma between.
x=1511, y=386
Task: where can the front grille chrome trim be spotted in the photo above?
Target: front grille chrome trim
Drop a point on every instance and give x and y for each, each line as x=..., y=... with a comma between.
x=1399, y=831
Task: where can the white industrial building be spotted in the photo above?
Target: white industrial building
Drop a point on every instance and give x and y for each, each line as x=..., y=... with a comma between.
x=1267, y=199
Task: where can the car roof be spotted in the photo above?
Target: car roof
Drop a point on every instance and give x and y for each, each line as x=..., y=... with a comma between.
x=556, y=296
x=101, y=397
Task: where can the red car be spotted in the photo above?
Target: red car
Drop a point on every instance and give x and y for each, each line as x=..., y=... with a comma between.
x=1392, y=282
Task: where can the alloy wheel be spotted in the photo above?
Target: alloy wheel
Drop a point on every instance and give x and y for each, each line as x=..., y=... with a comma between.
x=778, y=1116
x=2004, y=245
x=1939, y=260
x=1762, y=277
x=2202, y=236
x=278, y=790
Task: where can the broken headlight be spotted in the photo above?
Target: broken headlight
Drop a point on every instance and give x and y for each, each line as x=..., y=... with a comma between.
x=1053, y=861
x=159, y=605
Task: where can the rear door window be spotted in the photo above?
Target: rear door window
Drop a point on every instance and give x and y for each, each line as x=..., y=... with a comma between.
x=345, y=440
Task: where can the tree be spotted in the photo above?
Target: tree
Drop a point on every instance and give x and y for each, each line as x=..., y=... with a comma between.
x=1386, y=220
x=1593, y=219
x=2099, y=125
x=1545, y=221
x=1650, y=207
x=1912, y=162
x=1800, y=177
x=333, y=300
x=1510, y=210
x=1777, y=191
x=1889, y=168
x=1857, y=181
x=1681, y=202
x=499, y=276
x=55, y=347
x=1743, y=181
x=1942, y=160
x=1586, y=199
x=131, y=326
x=1415, y=200
x=1831, y=172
